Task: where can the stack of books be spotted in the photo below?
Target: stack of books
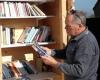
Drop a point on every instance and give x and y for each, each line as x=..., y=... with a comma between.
x=26, y=35
x=15, y=9
x=39, y=34
x=17, y=69
x=23, y=70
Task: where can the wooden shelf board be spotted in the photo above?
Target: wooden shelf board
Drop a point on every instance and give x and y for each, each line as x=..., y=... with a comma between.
x=25, y=44
x=26, y=17
x=39, y=76
x=37, y=1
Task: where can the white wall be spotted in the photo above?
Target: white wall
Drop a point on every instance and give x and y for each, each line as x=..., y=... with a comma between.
x=86, y=6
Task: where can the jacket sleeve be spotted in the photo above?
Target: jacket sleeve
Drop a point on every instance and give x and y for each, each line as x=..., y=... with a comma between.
x=61, y=54
x=82, y=61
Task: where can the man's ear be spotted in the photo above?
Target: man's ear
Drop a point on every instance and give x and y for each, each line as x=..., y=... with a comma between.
x=80, y=25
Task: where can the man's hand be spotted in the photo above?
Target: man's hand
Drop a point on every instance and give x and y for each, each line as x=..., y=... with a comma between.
x=50, y=61
x=47, y=50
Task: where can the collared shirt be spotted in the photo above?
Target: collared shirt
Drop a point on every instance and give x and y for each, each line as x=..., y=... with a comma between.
x=81, y=57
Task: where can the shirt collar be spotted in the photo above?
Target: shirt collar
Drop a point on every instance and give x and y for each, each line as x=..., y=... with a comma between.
x=86, y=31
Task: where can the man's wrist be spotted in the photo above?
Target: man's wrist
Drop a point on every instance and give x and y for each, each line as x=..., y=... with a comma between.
x=53, y=52
x=57, y=65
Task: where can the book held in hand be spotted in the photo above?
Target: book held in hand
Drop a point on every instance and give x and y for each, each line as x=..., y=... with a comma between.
x=38, y=49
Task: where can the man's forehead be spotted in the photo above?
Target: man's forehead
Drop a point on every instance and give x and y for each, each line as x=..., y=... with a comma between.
x=69, y=18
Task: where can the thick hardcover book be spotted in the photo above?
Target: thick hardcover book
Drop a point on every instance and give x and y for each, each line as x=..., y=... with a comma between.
x=13, y=69
x=30, y=34
x=20, y=67
x=38, y=49
x=6, y=72
x=30, y=69
x=24, y=34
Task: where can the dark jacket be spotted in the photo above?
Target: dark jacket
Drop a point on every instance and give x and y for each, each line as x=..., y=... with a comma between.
x=81, y=57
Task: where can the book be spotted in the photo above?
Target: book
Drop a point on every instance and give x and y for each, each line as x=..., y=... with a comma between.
x=6, y=72
x=24, y=34
x=39, y=10
x=6, y=9
x=4, y=35
x=1, y=34
x=30, y=34
x=38, y=49
x=2, y=13
x=44, y=34
x=33, y=13
x=30, y=69
x=8, y=40
x=12, y=9
x=20, y=67
x=35, y=32
x=13, y=69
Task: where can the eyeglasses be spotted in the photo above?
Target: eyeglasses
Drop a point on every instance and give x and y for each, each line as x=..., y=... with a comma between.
x=75, y=12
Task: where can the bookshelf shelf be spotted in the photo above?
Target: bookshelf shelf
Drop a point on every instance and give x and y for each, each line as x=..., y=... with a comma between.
x=30, y=1
x=40, y=76
x=27, y=17
x=44, y=75
x=25, y=44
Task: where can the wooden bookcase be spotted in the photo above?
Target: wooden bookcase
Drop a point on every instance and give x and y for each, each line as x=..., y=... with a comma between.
x=55, y=11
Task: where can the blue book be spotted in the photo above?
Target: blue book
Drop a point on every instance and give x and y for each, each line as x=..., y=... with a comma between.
x=6, y=71
x=35, y=32
x=29, y=36
x=24, y=35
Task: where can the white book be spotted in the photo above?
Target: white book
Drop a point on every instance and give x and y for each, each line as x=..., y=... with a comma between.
x=6, y=9
x=17, y=9
x=37, y=12
x=12, y=9
x=4, y=36
x=27, y=10
x=1, y=34
x=2, y=9
x=20, y=9
x=32, y=11
x=20, y=67
x=41, y=12
x=8, y=35
x=24, y=9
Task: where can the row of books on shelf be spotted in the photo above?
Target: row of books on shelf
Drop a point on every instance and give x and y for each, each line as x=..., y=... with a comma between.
x=15, y=9
x=29, y=0
x=28, y=35
x=22, y=70
x=17, y=69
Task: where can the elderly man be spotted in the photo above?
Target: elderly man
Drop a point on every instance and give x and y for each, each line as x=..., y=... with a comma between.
x=81, y=54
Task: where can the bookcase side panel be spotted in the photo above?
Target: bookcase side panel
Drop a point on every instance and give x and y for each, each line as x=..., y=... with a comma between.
x=0, y=64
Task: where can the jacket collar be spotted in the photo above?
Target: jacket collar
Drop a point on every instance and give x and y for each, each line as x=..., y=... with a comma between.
x=85, y=32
